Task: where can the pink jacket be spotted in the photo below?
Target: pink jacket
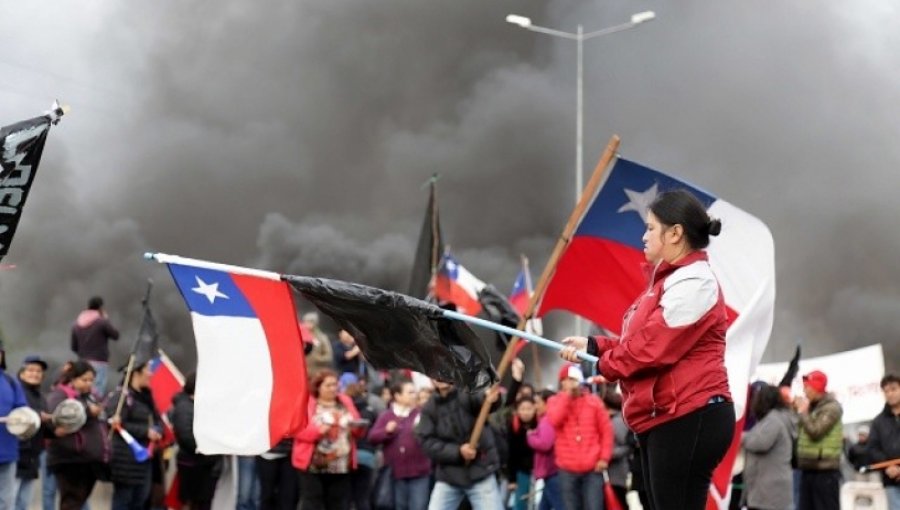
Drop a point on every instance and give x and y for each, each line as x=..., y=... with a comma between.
x=305, y=441
x=541, y=440
x=670, y=359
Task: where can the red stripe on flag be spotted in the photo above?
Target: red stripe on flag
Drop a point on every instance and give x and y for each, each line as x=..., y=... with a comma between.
x=273, y=304
x=165, y=385
x=446, y=289
x=611, y=270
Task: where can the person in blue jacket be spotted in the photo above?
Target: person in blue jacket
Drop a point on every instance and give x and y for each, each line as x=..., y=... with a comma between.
x=11, y=397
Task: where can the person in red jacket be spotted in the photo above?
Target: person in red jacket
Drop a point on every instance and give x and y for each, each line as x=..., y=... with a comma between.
x=584, y=440
x=325, y=451
x=670, y=359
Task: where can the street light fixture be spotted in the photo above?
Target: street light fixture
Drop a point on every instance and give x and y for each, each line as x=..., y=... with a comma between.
x=579, y=37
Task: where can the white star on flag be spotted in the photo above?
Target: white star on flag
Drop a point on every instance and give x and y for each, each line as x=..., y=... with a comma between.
x=639, y=201
x=210, y=290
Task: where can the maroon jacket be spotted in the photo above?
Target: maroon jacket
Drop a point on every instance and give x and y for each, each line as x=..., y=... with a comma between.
x=91, y=334
x=401, y=448
x=670, y=359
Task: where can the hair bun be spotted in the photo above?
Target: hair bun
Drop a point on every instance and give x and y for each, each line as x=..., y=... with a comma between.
x=714, y=227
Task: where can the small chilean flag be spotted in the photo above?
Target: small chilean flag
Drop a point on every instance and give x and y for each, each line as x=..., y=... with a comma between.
x=166, y=381
x=521, y=292
x=455, y=284
x=251, y=376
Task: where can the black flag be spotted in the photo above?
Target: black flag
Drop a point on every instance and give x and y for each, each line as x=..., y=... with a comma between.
x=793, y=368
x=21, y=146
x=497, y=308
x=397, y=331
x=146, y=346
x=429, y=249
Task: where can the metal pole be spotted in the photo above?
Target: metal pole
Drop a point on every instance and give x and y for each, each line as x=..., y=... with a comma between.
x=579, y=139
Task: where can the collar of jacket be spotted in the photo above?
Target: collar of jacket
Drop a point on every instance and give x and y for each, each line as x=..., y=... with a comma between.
x=664, y=269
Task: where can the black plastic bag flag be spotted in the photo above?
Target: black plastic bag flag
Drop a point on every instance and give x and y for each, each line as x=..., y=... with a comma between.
x=21, y=147
x=398, y=331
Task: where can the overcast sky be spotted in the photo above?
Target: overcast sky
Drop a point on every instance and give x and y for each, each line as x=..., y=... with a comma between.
x=295, y=136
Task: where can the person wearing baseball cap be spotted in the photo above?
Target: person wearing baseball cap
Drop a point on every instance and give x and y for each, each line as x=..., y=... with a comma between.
x=584, y=440
x=819, y=445
x=31, y=375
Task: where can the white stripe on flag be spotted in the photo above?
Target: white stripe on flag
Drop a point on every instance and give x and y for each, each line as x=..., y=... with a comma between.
x=234, y=386
x=742, y=257
x=468, y=282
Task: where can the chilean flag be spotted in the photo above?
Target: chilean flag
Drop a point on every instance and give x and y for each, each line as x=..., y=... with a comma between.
x=251, y=376
x=521, y=292
x=455, y=284
x=166, y=381
x=599, y=275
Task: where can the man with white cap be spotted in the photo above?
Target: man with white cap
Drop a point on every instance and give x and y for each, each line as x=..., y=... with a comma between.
x=820, y=445
x=584, y=440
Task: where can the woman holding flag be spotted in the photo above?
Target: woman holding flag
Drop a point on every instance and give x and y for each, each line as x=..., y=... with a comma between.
x=670, y=357
x=132, y=472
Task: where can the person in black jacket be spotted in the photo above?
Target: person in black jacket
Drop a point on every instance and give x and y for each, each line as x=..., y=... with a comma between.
x=199, y=473
x=77, y=458
x=30, y=376
x=884, y=438
x=132, y=479
x=443, y=431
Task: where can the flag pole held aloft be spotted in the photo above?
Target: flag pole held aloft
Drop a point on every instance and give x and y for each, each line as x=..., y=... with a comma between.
x=515, y=332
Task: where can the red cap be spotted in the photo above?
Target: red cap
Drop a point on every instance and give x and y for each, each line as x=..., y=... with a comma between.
x=569, y=371
x=816, y=380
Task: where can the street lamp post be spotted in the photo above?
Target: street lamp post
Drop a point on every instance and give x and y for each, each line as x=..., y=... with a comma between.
x=579, y=37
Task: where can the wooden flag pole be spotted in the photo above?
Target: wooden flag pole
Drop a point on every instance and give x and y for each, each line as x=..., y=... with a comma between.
x=587, y=195
x=538, y=377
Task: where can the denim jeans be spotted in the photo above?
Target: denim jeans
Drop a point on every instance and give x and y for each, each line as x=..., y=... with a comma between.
x=24, y=490
x=482, y=495
x=893, y=496
x=412, y=493
x=581, y=491
x=523, y=487
x=7, y=485
x=552, y=499
x=132, y=497
x=101, y=369
x=248, y=484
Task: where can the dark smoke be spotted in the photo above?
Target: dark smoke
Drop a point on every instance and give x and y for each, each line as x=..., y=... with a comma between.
x=295, y=136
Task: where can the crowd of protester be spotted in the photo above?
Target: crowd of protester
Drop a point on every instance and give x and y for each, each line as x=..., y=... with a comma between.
x=378, y=440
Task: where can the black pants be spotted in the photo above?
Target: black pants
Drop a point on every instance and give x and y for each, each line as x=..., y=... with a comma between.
x=820, y=490
x=277, y=484
x=74, y=483
x=679, y=456
x=361, y=483
x=324, y=491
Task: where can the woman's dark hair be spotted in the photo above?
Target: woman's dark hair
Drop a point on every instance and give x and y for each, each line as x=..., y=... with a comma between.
x=767, y=398
x=319, y=378
x=76, y=369
x=546, y=394
x=523, y=400
x=397, y=386
x=681, y=207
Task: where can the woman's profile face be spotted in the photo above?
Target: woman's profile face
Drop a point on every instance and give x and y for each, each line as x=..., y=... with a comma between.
x=653, y=239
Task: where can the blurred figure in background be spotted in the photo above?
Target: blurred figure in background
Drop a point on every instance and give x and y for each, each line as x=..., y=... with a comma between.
x=321, y=356
x=768, y=476
x=91, y=334
x=325, y=451
x=31, y=375
x=77, y=457
x=199, y=473
x=410, y=467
